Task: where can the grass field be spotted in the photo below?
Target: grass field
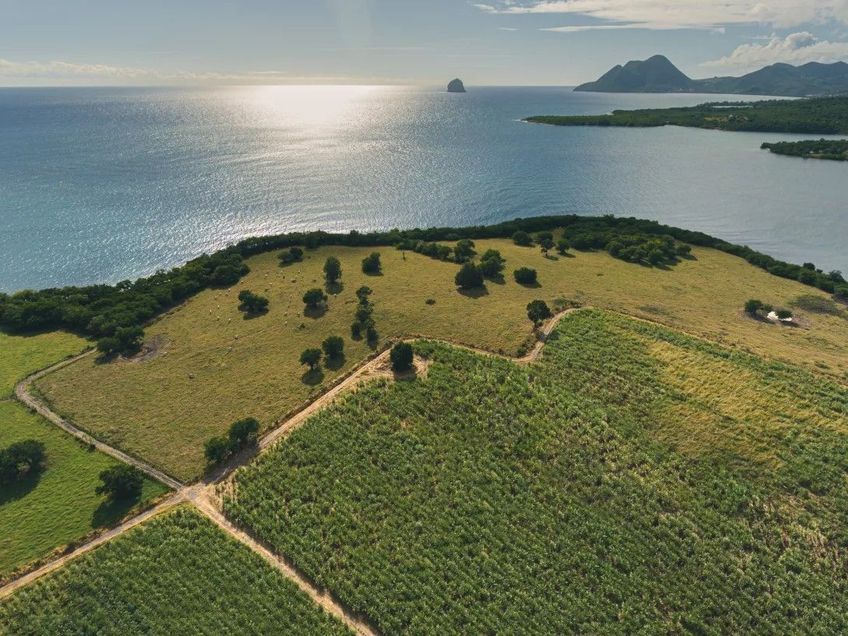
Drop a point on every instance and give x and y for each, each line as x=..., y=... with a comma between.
x=21, y=355
x=582, y=494
x=176, y=574
x=59, y=505
x=213, y=366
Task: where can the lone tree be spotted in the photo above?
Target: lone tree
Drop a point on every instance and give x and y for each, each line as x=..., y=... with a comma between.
x=525, y=276
x=401, y=357
x=311, y=357
x=546, y=244
x=753, y=306
x=244, y=432
x=492, y=263
x=371, y=263
x=522, y=238
x=538, y=311
x=332, y=270
x=314, y=298
x=121, y=482
x=469, y=276
x=252, y=303
x=333, y=347
x=464, y=250
x=217, y=449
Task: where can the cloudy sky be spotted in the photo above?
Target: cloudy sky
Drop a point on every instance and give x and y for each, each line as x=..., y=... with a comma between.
x=509, y=42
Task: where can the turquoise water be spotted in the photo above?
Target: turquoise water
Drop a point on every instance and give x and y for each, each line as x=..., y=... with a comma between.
x=98, y=185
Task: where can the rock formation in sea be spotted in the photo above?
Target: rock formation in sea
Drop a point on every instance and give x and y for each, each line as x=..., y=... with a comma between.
x=456, y=86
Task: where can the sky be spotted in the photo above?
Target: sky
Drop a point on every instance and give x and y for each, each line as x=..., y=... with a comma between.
x=485, y=42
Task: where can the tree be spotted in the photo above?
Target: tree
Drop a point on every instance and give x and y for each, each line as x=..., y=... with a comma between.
x=784, y=314
x=752, y=306
x=371, y=263
x=538, y=311
x=333, y=347
x=217, y=449
x=546, y=244
x=522, y=238
x=291, y=255
x=109, y=346
x=469, y=276
x=129, y=338
x=401, y=356
x=563, y=246
x=464, y=250
x=363, y=293
x=314, y=297
x=492, y=263
x=251, y=303
x=121, y=482
x=28, y=454
x=332, y=270
x=525, y=276
x=243, y=432
x=311, y=357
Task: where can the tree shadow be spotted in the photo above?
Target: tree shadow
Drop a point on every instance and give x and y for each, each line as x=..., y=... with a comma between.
x=475, y=292
x=409, y=375
x=377, y=273
x=533, y=285
x=334, y=289
x=335, y=363
x=498, y=279
x=106, y=358
x=315, y=312
x=250, y=315
x=112, y=511
x=21, y=487
x=313, y=377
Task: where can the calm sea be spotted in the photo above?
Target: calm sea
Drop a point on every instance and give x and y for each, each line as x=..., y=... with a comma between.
x=98, y=185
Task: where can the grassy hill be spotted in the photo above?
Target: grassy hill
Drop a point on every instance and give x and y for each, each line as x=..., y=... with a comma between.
x=635, y=480
x=821, y=116
x=210, y=366
x=176, y=574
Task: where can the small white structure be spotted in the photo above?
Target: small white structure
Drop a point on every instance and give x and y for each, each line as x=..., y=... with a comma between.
x=772, y=315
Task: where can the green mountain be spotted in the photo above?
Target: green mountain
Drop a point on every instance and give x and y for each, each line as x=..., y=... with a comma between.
x=658, y=75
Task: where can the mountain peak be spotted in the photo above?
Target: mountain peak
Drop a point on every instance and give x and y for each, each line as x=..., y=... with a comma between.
x=655, y=75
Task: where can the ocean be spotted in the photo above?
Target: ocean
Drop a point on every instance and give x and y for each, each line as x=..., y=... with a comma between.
x=104, y=184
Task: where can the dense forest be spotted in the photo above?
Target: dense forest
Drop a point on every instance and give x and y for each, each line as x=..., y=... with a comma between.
x=833, y=149
x=107, y=311
x=821, y=116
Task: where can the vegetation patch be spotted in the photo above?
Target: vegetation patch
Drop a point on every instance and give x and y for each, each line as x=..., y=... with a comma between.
x=176, y=574
x=832, y=149
x=572, y=496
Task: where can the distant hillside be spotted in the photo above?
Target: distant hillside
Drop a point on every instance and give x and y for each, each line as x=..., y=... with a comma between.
x=658, y=75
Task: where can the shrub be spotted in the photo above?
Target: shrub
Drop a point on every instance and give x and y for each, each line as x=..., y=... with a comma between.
x=753, y=306
x=538, y=311
x=310, y=357
x=525, y=276
x=371, y=263
x=333, y=347
x=492, y=263
x=121, y=482
x=332, y=270
x=464, y=251
x=401, y=357
x=363, y=293
x=291, y=255
x=469, y=276
x=251, y=303
x=783, y=314
x=562, y=246
x=522, y=238
x=314, y=298
x=371, y=334
x=544, y=236
x=356, y=330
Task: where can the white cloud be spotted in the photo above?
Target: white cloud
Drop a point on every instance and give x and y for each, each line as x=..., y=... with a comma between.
x=796, y=48
x=683, y=14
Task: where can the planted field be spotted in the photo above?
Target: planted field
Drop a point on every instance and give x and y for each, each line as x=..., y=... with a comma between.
x=209, y=366
x=21, y=355
x=58, y=505
x=177, y=574
x=584, y=493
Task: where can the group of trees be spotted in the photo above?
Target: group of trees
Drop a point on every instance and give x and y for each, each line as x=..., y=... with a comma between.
x=20, y=459
x=363, y=323
x=241, y=434
x=833, y=149
x=525, y=276
x=332, y=348
x=252, y=304
x=292, y=255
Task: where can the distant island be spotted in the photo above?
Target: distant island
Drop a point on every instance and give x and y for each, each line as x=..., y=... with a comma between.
x=658, y=75
x=820, y=116
x=832, y=149
x=456, y=86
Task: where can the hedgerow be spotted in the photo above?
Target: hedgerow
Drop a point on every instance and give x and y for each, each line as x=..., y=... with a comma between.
x=490, y=497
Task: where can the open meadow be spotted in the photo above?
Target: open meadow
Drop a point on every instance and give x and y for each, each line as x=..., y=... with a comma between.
x=57, y=505
x=176, y=574
x=634, y=480
x=207, y=365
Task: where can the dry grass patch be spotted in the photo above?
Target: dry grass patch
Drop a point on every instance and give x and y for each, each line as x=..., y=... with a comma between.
x=217, y=366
